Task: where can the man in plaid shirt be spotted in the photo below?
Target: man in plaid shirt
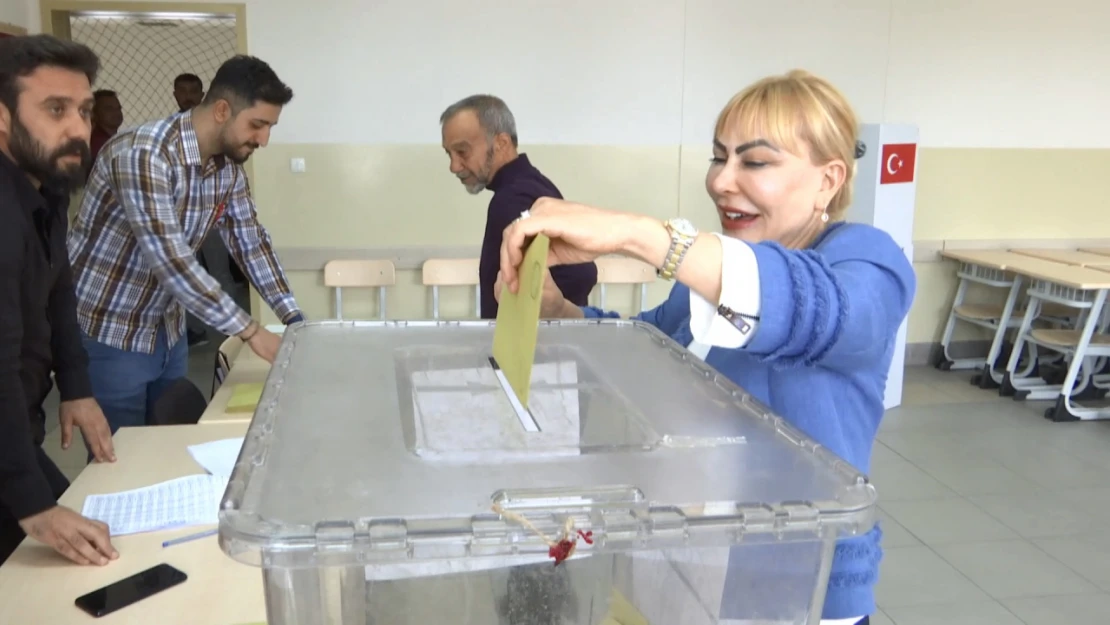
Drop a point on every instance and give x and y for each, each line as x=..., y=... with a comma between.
x=153, y=195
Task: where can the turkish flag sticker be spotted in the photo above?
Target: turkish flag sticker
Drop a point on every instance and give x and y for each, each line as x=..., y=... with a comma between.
x=898, y=161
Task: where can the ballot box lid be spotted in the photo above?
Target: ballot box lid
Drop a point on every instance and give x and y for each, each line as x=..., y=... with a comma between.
x=387, y=441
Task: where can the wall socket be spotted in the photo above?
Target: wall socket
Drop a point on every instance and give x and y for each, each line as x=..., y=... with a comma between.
x=296, y=165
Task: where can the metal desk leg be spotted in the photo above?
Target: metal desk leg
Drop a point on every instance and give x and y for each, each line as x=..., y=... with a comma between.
x=946, y=362
x=1064, y=410
x=1031, y=311
x=990, y=378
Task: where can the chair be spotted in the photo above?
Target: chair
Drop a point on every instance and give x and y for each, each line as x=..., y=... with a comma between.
x=182, y=403
x=624, y=271
x=228, y=352
x=340, y=274
x=438, y=272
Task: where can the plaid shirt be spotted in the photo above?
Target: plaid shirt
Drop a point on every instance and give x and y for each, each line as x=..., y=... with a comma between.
x=149, y=204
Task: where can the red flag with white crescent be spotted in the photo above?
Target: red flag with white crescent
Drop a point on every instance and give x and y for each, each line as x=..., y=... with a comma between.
x=897, y=164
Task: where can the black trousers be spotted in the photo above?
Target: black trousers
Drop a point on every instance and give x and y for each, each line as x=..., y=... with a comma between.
x=11, y=534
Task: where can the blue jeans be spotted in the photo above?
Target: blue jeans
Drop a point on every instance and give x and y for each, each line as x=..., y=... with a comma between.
x=126, y=384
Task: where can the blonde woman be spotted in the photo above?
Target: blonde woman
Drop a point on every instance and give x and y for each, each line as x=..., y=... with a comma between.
x=792, y=304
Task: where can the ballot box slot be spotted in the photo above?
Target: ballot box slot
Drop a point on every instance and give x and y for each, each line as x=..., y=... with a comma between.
x=525, y=416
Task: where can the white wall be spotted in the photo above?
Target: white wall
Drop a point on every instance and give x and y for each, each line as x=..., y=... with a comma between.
x=971, y=73
x=16, y=12
x=575, y=71
x=1002, y=73
x=34, y=16
x=730, y=44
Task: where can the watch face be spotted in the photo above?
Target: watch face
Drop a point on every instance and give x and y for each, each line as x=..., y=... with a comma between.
x=684, y=227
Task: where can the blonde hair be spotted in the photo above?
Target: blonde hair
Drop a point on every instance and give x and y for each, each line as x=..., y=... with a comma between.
x=797, y=110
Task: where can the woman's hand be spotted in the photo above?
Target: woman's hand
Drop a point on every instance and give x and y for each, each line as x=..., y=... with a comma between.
x=552, y=306
x=578, y=234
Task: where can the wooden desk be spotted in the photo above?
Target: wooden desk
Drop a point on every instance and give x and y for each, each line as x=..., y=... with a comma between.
x=994, y=259
x=1068, y=257
x=1081, y=288
x=39, y=586
x=1074, y=276
x=246, y=368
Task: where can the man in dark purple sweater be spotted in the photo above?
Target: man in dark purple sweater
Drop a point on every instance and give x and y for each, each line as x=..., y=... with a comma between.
x=479, y=135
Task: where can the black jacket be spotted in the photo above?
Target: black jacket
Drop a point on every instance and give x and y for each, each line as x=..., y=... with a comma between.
x=38, y=332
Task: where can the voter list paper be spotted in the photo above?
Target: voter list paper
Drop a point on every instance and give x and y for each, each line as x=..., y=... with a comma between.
x=186, y=501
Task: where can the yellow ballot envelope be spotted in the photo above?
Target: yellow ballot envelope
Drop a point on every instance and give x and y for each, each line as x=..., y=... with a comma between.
x=518, y=321
x=244, y=397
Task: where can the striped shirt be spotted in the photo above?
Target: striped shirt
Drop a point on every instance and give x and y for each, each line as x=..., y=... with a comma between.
x=149, y=204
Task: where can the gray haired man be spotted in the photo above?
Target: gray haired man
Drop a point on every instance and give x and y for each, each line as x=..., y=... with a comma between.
x=479, y=136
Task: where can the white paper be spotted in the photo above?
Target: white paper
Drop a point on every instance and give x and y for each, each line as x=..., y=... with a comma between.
x=186, y=501
x=466, y=415
x=217, y=457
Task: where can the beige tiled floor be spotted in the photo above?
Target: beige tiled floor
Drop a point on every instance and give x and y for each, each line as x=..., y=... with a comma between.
x=992, y=515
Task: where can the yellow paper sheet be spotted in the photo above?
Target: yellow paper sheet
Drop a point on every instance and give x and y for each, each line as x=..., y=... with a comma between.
x=518, y=321
x=244, y=397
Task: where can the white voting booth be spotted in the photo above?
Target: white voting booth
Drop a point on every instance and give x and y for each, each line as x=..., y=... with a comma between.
x=885, y=188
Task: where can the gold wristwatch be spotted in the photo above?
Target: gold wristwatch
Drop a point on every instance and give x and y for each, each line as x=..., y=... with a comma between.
x=683, y=234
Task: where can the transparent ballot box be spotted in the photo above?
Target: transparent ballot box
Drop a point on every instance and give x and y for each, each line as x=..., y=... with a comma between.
x=389, y=478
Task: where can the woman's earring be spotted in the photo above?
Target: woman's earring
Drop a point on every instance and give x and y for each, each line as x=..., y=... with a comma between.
x=824, y=217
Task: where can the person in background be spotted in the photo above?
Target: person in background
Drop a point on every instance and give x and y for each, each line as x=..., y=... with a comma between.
x=479, y=136
x=154, y=195
x=188, y=90
x=796, y=307
x=107, y=117
x=46, y=104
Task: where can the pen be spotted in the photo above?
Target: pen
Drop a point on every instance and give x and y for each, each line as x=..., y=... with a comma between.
x=187, y=538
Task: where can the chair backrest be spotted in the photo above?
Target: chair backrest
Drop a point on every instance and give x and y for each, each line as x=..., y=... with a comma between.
x=438, y=272
x=624, y=271
x=340, y=274
x=182, y=403
x=225, y=356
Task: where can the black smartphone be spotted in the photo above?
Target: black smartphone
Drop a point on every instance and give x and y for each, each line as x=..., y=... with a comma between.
x=126, y=591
